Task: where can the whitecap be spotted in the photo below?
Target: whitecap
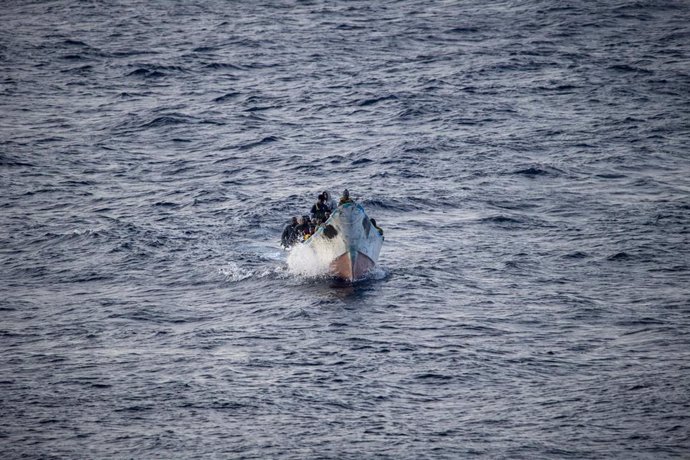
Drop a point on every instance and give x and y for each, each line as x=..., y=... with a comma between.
x=235, y=273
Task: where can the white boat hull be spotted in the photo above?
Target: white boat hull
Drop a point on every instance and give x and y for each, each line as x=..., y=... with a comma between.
x=347, y=243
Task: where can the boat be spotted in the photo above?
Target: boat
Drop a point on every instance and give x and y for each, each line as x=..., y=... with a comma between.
x=347, y=245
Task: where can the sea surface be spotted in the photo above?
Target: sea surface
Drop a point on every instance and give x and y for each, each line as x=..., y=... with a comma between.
x=529, y=162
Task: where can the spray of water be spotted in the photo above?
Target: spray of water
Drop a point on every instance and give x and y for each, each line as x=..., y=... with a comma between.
x=312, y=259
x=234, y=273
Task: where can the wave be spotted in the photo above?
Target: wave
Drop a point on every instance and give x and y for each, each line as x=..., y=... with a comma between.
x=72, y=57
x=501, y=219
x=556, y=87
x=463, y=30
x=167, y=120
x=376, y=100
x=538, y=170
x=611, y=176
x=625, y=68
x=234, y=273
x=79, y=43
x=146, y=73
x=79, y=70
x=263, y=141
x=153, y=71
x=619, y=256
x=223, y=65
x=227, y=97
x=205, y=49
x=7, y=161
x=576, y=255
x=161, y=121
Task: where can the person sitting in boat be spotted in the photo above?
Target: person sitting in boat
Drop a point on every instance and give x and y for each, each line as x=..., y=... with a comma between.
x=309, y=230
x=345, y=198
x=378, y=229
x=330, y=203
x=302, y=224
x=326, y=216
x=319, y=209
x=303, y=228
x=290, y=233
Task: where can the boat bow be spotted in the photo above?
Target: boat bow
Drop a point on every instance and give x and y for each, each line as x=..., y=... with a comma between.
x=348, y=242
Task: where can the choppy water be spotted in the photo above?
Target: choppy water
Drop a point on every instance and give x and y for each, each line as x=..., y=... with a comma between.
x=528, y=162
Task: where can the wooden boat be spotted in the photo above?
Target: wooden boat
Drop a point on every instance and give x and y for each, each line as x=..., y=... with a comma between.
x=347, y=242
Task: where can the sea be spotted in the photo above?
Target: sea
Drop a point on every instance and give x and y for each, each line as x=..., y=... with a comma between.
x=528, y=162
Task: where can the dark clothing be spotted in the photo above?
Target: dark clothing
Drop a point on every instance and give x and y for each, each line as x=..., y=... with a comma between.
x=318, y=211
x=344, y=200
x=289, y=236
x=302, y=230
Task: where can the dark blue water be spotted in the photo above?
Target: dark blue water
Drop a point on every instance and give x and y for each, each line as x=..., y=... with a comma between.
x=528, y=161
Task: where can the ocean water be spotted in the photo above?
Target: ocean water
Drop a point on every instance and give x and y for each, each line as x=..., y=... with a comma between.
x=528, y=161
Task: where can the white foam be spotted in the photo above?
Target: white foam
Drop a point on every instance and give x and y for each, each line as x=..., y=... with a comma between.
x=84, y=231
x=311, y=260
x=234, y=272
x=377, y=273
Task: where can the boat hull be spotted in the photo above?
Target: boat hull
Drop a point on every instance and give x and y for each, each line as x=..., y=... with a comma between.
x=351, y=266
x=347, y=246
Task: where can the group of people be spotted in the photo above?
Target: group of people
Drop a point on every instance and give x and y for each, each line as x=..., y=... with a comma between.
x=300, y=229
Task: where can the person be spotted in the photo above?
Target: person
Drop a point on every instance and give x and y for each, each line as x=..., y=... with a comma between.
x=320, y=208
x=330, y=203
x=379, y=229
x=303, y=227
x=308, y=229
x=345, y=198
x=290, y=233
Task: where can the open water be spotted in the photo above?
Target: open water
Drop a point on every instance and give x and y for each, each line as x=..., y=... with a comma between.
x=528, y=161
